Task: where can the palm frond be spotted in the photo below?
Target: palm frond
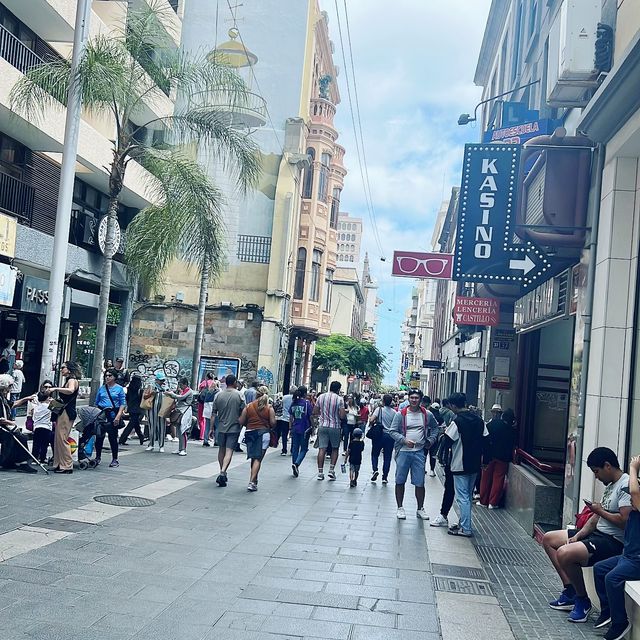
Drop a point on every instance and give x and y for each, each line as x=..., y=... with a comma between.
x=187, y=225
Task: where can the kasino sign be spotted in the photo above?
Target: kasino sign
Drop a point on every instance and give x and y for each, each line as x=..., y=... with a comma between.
x=485, y=251
x=477, y=311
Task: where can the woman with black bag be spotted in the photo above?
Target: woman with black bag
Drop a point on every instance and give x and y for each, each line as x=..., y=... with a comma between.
x=381, y=441
x=65, y=416
x=111, y=399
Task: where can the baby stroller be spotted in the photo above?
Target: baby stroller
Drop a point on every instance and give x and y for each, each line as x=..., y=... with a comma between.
x=92, y=422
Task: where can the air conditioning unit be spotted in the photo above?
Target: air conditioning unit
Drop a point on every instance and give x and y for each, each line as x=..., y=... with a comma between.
x=571, y=69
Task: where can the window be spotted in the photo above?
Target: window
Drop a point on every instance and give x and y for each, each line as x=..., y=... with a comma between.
x=328, y=289
x=316, y=260
x=301, y=265
x=323, y=182
x=307, y=191
x=350, y=258
x=517, y=45
x=335, y=208
x=533, y=18
x=254, y=249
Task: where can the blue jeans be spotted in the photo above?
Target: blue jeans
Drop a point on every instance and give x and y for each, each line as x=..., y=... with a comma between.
x=299, y=447
x=464, y=491
x=382, y=444
x=410, y=461
x=609, y=577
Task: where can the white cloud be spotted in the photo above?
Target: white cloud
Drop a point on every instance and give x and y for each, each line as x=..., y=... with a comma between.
x=414, y=62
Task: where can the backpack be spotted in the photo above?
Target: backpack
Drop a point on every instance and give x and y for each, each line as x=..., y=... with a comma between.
x=583, y=517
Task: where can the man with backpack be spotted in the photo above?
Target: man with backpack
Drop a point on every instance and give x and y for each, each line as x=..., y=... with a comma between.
x=414, y=430
x=465, y=434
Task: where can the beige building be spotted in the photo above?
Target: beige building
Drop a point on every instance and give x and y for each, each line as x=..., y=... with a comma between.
x=349, y=239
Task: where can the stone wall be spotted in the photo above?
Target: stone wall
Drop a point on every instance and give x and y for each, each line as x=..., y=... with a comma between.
x=162, y=337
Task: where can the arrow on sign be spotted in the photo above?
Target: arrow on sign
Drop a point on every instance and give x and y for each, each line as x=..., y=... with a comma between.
x=484, y=244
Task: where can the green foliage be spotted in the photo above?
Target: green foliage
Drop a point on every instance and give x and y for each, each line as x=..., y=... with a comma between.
x=348, y=356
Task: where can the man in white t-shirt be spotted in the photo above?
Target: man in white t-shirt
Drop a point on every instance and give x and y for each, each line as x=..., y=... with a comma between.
x=599, y=539
x=414, y=429
x=18, y=381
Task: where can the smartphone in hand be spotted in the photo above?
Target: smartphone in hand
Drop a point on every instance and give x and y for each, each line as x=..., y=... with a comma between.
x=587, y=502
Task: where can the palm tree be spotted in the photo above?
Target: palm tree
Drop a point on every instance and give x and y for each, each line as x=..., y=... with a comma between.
x=186, y=226
x=118, y=75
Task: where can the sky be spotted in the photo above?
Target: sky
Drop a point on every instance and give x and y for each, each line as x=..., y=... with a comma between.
x=414, y=64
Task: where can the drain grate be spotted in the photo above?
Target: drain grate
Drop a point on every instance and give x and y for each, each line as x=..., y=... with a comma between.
x=60, y=524
x=456, y=585
x=502, y=555
x=125, y=501
x=453, y=571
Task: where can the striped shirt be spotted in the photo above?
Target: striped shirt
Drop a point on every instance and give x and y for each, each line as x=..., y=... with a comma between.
x=329, y=405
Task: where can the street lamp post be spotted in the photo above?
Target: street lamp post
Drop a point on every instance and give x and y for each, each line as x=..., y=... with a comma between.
x=466, y=118
x=65, y=196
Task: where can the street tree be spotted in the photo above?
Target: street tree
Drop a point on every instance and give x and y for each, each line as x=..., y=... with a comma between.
x=349, y=357
x=188, y=226
x=119, y=74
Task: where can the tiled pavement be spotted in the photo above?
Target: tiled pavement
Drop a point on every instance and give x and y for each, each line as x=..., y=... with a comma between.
x=298, y=559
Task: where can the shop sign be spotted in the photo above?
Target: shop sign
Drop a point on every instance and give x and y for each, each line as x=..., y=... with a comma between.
x=7, y=285
x=412, y=264
x=8, y=230
x=431, y=364
x=35, y=295
x=487, y=203
x=543, y=303
x=500, y=382
x=477, y=311
x=467, y=363
x=520, y=133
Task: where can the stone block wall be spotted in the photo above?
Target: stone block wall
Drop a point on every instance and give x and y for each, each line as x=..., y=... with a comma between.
x=162, y=337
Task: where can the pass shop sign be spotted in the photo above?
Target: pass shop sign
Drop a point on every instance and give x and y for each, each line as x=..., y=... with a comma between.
x=477, y=311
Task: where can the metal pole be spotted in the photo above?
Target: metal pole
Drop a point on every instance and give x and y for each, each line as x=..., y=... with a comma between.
x=65, y=197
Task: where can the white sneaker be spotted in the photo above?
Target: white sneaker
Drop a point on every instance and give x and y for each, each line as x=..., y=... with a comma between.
x=439, y=521
x=182, y=453
x=149, y=448
x=161, y=450
x=321, y=476
x=176, y=452
x=493, y=506
x=401, y=514
x=432, y=474
x=422, y=514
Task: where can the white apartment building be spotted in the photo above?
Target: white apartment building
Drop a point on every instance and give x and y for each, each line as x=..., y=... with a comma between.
x=349, y=239
x=30, y=158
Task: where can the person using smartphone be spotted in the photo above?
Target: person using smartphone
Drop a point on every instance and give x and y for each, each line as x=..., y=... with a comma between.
x=599, y=539
x=610, y=575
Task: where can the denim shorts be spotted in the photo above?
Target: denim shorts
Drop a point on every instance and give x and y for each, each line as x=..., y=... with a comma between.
x=257, y=441
x=413, y=461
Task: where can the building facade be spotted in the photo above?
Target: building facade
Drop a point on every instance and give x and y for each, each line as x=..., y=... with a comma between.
x=33, y=32
x=556, y=78
x=349, y=240
x=273, y=299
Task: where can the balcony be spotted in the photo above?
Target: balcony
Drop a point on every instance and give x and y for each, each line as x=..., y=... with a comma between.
x=16, y=197
x=246, y=112
x=16, y=53
x=322, y=111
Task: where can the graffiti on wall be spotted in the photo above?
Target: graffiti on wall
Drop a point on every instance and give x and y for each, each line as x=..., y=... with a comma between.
x=265, y=376
x=148, y=365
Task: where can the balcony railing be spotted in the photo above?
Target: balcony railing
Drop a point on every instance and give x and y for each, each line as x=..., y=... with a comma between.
x=16, y=53
x=247, y=110
x=16, y=197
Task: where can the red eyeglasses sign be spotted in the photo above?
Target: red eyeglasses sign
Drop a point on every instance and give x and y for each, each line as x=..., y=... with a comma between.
x=413, y=264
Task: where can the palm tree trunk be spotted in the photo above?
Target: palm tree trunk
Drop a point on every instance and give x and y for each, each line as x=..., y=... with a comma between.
x=202, y=303
x=116, y=180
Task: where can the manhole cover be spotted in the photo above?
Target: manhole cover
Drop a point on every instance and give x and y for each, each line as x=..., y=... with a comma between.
x=454, y=571
x=125, y=501
x=502, y=555
x=59, y=524
x=455, y=585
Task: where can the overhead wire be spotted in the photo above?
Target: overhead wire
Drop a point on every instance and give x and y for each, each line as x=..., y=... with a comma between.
x=358, y=141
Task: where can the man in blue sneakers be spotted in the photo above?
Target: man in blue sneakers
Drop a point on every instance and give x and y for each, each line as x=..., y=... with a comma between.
x=610, y=575
x=600, y=539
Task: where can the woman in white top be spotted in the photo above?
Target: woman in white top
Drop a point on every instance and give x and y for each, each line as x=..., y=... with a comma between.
x=353, y=412
x=38, y=410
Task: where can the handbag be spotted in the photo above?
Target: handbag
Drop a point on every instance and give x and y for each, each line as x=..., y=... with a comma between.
x=29, y=423
x=147, y=401
x=167, y=406
x=376, y=430
x=56, y=407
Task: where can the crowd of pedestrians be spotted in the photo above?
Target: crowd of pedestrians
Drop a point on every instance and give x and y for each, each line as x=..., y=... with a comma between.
x=409, y=429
